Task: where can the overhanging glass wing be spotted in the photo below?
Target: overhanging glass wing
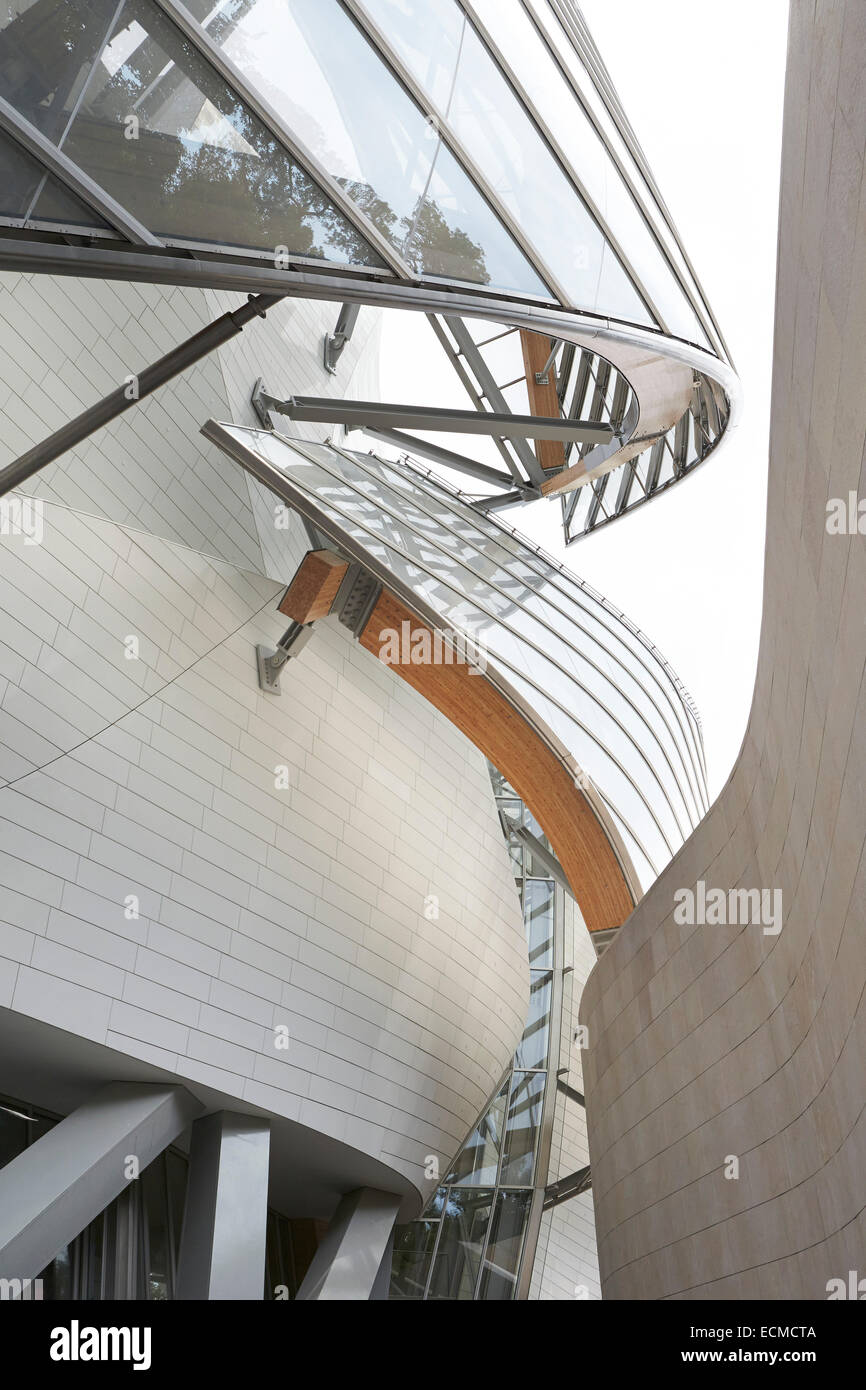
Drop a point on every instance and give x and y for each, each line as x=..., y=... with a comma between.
x=595, y=684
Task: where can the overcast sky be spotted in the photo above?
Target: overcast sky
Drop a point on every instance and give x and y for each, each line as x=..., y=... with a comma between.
x=702, y=85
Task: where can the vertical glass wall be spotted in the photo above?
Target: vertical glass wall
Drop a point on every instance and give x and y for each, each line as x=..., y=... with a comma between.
x=476, y=1235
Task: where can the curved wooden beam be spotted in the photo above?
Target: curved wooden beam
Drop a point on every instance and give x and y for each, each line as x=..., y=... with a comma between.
x=468, y=697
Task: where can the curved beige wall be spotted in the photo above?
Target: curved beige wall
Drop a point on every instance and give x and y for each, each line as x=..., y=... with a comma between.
x=261, y=905
x=712, y=1041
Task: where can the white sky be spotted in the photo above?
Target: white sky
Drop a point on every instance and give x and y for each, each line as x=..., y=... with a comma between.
x=702, y=85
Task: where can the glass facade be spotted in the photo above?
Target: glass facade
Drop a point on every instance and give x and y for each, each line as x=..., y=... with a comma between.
x=472, y=1238
x=401, y=146
x=593, y=681
x=475, y=140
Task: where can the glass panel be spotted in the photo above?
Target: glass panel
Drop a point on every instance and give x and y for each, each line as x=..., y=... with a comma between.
x=160, y=131
x=478, y=1160
x=473, y=581
x=13, y=1135
x=532, y=1049
x=550, y=25
x=446, y=56
x=92, y=1241
x=56, y=204
x=47, y=51
x=413, y=1246
x=57, y=1277
x=464, y=1225
x=524, y=1119
x=19, y=178
x=331, y=88
x=502, y=1257
x=538, y=915
x=176, y=1170
x=546, y=87
x=156, y=1216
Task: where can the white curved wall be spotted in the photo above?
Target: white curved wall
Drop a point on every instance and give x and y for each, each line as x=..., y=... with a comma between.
x=260, y=906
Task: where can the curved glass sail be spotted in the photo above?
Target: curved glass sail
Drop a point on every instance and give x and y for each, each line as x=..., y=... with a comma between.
x=332, y=89
x=149, y=120
x=449, y=156
x=620, y=715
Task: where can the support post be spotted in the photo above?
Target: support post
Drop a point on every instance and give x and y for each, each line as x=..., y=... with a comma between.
x=55, y=1188
x=349, y=1260
x=142, y=384
x=222, y=1248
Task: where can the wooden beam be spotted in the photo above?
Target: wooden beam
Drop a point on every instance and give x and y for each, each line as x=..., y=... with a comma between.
x=543, y=400
x=312, y=591
x=479, y=709
x=504, y=736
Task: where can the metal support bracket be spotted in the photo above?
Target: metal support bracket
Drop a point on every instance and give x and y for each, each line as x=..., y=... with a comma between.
x=356, y=598
x=566, y=1188
x=260, y=402
x=336, y=341
x=270, y=663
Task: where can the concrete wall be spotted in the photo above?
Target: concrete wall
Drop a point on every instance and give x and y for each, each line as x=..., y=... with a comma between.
x=716, y=1041
x=259, y=905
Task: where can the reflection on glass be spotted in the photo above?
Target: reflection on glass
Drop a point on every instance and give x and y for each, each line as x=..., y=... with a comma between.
x=47, y=51
x=332, y=90
x=524, y=1120
x=542, y=80
x=57, y=1277
x=538, y=915
x=532, y=1049
x=132, y=103
x=19, y=179
x=478, y=1160
x=413, y=1246
x=446, y=56
x=464, y=1226
x=13, y=1136
x=502, y=1256
x=156, y=1216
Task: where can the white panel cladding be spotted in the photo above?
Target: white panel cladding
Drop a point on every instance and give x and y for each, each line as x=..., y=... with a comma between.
x=64, y=343
x=259, y=907
x=566, y=1259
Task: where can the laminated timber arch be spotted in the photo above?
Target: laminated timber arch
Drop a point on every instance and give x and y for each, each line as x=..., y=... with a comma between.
x=501, y=725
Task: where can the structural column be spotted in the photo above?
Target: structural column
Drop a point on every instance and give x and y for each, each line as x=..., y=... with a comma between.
x=222, y=1249
x=353, y=1259
x=52, y=1190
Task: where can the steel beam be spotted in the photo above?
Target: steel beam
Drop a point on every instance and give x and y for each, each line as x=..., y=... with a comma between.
x=383, y=414
x=469, y=351
x=336, y=341
x=141, y=384
x=57, y=1186
x=67, y=172
x=222, y=1249
x=436, y=454
x=347, y=1263
x=566, y=1188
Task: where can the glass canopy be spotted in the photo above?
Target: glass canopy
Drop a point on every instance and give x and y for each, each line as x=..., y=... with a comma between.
x=436, y=138
x=454, y=156
x=576, y=665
